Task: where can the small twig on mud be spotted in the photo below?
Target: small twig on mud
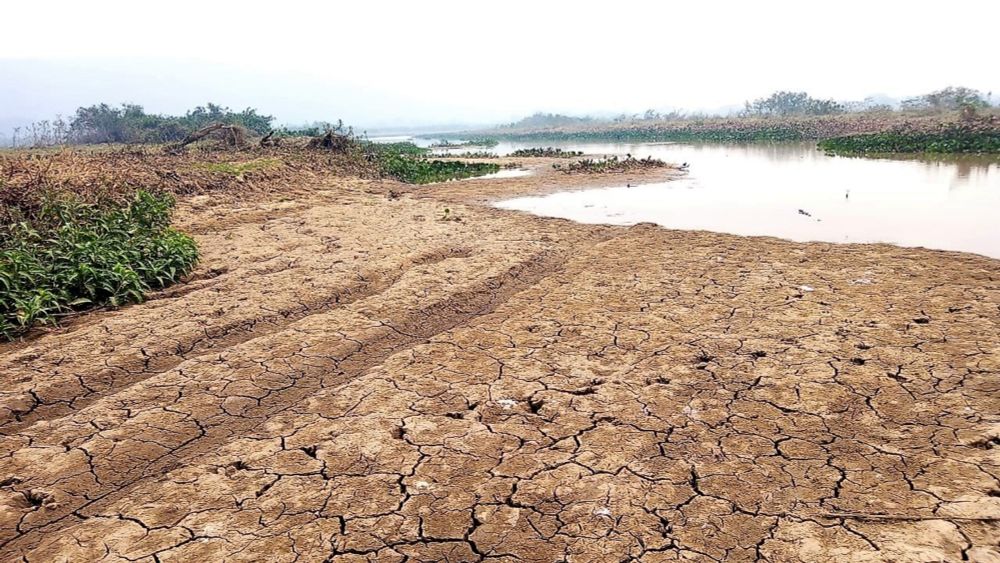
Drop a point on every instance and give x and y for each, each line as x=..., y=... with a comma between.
x=905, y=517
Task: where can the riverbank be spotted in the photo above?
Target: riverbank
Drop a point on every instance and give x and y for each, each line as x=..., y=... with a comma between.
x=368, y=370
x=924, y=131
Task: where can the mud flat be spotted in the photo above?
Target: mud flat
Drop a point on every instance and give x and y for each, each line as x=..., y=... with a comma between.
x=354, y=374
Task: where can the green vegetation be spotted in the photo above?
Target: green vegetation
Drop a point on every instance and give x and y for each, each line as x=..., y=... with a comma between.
x=131, y=124
x=791, y=103
x=733, y=132
x=946, y=99
x=469, y=154
x=546, y=152
x=546, y=120
x=71, y=255
x=780, y=117
x=317, y=129
x=423, y=171
x=955, y=139
x=408, y=163
x=479, y=142
x=612, y=164
x=403, y=147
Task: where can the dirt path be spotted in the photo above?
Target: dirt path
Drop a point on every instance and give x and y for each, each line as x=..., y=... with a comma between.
x=350, y=378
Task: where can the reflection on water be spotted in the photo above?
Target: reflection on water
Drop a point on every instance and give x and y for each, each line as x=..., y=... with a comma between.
x=794, y=191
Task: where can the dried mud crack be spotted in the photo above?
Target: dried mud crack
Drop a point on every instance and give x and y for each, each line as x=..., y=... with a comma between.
x=350, y=378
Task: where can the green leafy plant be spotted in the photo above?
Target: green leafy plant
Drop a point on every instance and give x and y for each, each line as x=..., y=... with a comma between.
x=612, y=164
x=72, y=256
x=951, y=139
x=548, y=152
x=475, y=142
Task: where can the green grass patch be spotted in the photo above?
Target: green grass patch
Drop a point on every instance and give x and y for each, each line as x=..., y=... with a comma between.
x=72, y=256
x=953, y=140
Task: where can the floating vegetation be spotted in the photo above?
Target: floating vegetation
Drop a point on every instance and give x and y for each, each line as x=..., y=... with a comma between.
x=954, y=139
x=425, y=171
x=612, y=164
x=655, y=134
x=784, y=128
x=72, y=256
x=469, y=154
x=402, y=147
x=548, y=152
x=476, y=142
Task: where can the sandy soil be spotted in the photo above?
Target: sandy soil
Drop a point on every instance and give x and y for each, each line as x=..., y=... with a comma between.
x=350, y=378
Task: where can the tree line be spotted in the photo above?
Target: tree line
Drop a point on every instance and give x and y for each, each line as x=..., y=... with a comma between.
x=130, y=123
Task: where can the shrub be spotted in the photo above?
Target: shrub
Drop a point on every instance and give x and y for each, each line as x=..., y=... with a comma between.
x=72, y=256
x=792, y=103
x=130, y=123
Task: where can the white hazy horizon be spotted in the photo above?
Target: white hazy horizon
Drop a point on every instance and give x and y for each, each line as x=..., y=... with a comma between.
x=408, y=64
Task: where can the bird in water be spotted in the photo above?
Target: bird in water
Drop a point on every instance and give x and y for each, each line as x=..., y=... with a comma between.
x=684, y=166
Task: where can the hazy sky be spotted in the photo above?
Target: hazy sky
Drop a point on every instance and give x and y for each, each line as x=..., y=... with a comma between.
x=379, y=62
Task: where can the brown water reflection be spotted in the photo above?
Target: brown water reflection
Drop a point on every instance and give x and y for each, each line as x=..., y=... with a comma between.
x=794, y=191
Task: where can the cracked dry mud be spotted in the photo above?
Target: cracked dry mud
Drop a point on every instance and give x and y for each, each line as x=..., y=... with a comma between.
x=348, y=378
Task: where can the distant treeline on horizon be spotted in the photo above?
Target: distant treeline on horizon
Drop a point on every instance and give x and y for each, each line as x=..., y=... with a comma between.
x=130, y=123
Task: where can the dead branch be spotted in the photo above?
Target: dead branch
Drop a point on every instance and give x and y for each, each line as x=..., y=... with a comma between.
x=232, y=135
x=331, y=141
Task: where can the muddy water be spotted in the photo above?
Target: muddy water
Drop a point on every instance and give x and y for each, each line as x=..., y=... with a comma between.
x=795, y=192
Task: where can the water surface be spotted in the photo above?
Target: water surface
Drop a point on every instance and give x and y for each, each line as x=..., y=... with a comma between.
x=795, y=192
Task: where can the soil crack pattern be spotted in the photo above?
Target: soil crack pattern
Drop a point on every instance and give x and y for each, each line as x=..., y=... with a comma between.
x=350, y=378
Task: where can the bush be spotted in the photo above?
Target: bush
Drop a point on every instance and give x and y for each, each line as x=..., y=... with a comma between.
x=948, y=99
x=791, y=103
x=72, y=256
x=130, y=123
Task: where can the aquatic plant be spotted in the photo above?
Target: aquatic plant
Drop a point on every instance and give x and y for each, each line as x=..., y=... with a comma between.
x=424, y=171
x=475, y=142
x=768, y=128
x=468, y=154
x=402, y=147
x=547, y=152
x=612, y=164
x=960, y=138
x=736, y=133
x=72, y=256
